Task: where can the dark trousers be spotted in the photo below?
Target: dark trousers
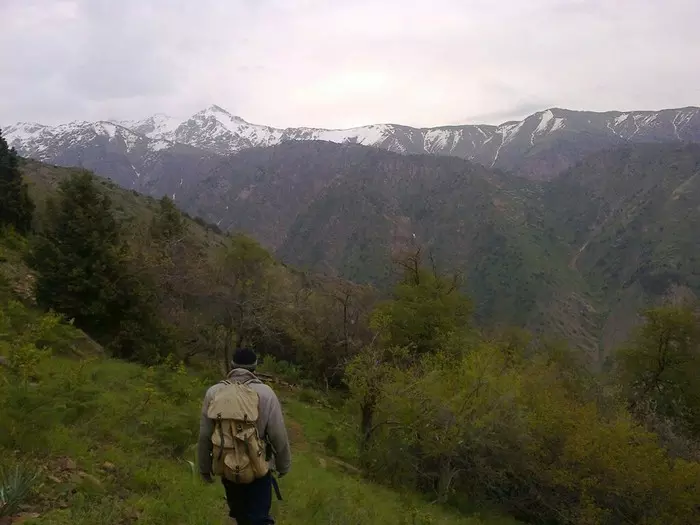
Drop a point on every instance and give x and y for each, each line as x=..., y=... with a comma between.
x=250, y=504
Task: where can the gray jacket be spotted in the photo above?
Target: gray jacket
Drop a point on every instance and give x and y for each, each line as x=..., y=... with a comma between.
x=270, y=424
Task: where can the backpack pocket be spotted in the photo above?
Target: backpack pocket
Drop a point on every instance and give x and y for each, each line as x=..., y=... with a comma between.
x=255, y=451
x=237, y=467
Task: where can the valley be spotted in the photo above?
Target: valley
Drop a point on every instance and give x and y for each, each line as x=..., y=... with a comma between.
x=538, y=249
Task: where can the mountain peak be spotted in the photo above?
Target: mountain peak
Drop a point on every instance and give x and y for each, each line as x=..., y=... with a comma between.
x=221, y=115
x=216, y=109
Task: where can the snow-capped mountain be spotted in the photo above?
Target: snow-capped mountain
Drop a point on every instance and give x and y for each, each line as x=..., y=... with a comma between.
x=133, y=160
x=216, y=130
x=540, y=146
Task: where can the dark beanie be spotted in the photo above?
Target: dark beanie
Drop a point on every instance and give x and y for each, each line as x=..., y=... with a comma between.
x=244, y=358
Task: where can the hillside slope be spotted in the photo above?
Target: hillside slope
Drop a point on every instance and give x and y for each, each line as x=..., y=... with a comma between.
x=577, y=256
x=631, y=218
x=129, y=205
x=113, y=443
x=347, y=209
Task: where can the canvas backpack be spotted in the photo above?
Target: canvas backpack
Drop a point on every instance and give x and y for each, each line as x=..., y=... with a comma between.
x=238, y=452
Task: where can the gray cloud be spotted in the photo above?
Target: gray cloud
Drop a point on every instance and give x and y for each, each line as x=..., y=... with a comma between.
x=338, y=64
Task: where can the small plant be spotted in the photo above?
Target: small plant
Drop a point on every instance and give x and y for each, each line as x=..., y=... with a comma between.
x=331, y=444
x=15, y=486
x=23, y=360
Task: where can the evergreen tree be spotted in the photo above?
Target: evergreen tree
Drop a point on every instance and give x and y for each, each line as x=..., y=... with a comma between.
x=16, y=208
x=83, y=274
x=168, y=224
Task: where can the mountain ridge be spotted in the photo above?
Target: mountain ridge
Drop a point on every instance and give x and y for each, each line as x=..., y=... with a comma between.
x=540, y=146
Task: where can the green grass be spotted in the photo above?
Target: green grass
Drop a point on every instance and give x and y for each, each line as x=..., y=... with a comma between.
x=113, y=441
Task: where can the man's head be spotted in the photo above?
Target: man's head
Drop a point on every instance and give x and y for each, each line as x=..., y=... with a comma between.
x=244, y=358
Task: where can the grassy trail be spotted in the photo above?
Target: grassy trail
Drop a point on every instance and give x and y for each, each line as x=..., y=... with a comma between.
x=113, y=442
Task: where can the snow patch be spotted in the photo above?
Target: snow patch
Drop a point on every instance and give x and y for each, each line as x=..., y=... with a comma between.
x=558, y=124
x=365, y=135
x=635, y=118
x=649, y=119
x=545, y=119
x=159, y=145
x=608, y=125
x=685, y=118
x=436, y=139
x=510, y=131
x=548, y=124
x=675, y=125
x=621, y=118
x=106, y=128
x=130, y=139
x=507, y=131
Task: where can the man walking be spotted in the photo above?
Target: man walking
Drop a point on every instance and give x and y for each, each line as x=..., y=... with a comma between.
x=233, y=434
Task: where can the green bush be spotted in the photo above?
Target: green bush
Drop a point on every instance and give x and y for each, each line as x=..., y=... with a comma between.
x=530, y=436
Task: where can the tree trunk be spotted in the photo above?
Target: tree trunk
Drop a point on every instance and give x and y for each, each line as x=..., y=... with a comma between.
x=445, y=476
x=367, y=408
x=227, y=350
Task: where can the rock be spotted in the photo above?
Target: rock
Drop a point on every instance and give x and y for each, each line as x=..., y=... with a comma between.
x=67, y=464
x=3, y=361
x=109, y=467
x=322, y=462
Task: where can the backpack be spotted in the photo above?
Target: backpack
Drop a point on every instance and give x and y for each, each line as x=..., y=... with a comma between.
x=239, y=453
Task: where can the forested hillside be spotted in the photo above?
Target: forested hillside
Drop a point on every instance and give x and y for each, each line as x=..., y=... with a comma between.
x=420, y=396
x=629, y=217
x=520, y=246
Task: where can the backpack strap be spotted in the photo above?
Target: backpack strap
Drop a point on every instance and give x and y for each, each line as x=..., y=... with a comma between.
x=253, y=379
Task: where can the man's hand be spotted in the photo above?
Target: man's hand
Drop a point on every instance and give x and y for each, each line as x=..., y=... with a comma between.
x=206, y=478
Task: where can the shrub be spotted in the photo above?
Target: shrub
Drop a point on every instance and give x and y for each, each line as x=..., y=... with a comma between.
x=529, y=436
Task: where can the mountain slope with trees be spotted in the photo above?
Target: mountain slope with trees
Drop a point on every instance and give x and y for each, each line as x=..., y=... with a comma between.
x=346, y=210
x=577, y=256
x=630, y=217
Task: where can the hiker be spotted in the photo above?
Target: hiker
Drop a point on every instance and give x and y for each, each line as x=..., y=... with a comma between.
x=244, y=407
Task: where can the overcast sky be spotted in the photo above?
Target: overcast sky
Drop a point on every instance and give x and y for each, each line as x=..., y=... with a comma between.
x=340, y=63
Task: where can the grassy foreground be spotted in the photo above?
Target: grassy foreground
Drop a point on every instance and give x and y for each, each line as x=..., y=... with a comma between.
x=112, y=442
